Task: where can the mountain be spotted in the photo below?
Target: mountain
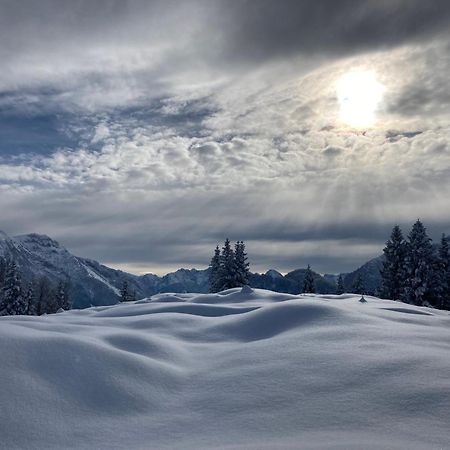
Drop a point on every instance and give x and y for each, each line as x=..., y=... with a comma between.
x=92, y=283
x=370, y=272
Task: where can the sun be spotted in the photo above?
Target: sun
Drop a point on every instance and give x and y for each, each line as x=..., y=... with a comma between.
x=359, y=94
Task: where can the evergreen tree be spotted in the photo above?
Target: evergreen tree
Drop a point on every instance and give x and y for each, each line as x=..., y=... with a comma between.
x=358, y=285
x=2, y=272
x=393, y=271
x=340, y=289
x=308, y=281
x=215, y=272
x=30, y=299
x=227, y=267
x=443, y=271
x=62, y=296
x=44, y=297
x=421, y=280
x=13, y=302
x=125, y=293
x=241, y=265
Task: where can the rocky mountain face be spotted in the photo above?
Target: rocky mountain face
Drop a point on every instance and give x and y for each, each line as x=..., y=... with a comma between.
x=91, y=283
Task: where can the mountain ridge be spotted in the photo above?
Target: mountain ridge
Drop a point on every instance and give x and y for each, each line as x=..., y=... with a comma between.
x=94, y=284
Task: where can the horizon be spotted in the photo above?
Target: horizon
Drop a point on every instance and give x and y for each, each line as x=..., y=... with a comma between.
x=253, y=268
x=139, y=134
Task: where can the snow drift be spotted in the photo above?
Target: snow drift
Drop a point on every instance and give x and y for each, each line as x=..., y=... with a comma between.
x=239, y=369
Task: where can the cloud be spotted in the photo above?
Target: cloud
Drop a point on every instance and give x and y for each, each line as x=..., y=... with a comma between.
x=171, y=125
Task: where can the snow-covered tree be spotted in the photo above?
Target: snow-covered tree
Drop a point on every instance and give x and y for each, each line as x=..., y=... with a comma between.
x=215, y=283
x=443, y=272
x=45, y=302
x=13, y=300
x=358, y=285
x=308, y=281
x=125, y=294
x=241, y=265
x=227, y=267
x=30, y=299
x=393, y=271
x=62, y=296
x=421, y=280
x=340, y=289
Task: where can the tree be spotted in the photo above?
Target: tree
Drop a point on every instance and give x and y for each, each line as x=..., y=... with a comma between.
x=241, y=265
x=393, y=270
x=215, y=271
x=125, y=294
x=30, y=299
x=308, y=281
x=44, y=295
x=443, y=271
x=62, y=296
x=340, y=289
x=420, y=267
x=358, y=285
x=13, y=302
x=227, y=267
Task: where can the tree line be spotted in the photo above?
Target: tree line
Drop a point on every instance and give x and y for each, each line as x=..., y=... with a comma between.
x=229, y=268
x=38, y=296
x=414, y=270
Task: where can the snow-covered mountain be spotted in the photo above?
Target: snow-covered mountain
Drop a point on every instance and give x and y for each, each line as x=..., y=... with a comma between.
x=241, y=369
x=92, y=283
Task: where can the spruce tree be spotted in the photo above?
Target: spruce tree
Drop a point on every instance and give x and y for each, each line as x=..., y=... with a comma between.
x=420, y=267
x=393, y=271
x=62, y=295
x=340, y=289
x=358, y=285
x=241, y=265
x=227, y=267
x=215, y=282
x=30, y=299
x=444, y=274
x=13, y=301
x=308, y=281
x=43, y=295
x=125, y=292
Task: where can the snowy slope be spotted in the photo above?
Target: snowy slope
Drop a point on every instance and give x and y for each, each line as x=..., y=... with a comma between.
x=248, y=370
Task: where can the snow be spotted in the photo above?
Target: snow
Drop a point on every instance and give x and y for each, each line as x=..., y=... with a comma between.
x=249, y=369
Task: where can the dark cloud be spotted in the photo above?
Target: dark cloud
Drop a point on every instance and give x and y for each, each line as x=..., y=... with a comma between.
x=269, y=28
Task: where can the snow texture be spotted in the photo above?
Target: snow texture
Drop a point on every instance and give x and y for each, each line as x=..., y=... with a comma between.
x=241, y=369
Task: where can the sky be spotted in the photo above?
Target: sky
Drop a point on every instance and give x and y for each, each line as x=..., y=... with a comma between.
x=143, y=133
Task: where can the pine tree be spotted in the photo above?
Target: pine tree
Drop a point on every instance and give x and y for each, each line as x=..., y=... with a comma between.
x=62, y=296
x=420, y=267
x=308, y=281
x=340, y=289
x=393, y=271
x=30, y=299
x=215, y=282
x=227, y=267
x=358, y=285
x=241, y=265
x=2, y=271
x=13, y=302
x=125, y=292
x=44, y=297
x=443, y=271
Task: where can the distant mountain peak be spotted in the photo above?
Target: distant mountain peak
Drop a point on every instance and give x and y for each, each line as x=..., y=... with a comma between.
x=39, y=239
x=272, y=273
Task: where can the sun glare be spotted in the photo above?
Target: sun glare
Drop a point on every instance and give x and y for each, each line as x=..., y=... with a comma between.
x=359, y=94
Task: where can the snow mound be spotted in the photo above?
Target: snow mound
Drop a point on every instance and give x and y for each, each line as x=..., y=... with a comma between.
x=241, y=369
